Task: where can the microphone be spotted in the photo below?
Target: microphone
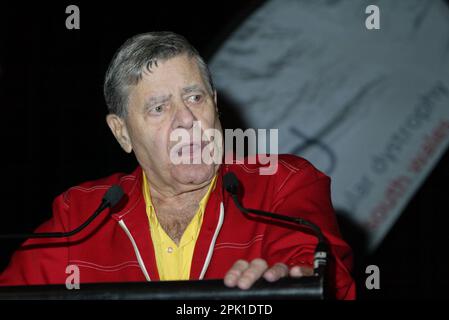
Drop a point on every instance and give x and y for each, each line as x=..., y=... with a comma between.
x=231, y=184
x=111, y=197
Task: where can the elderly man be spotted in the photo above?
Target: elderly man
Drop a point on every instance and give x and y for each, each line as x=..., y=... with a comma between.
x=176, y=221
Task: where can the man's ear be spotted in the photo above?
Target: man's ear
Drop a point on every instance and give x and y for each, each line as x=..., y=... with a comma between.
x=120, y=132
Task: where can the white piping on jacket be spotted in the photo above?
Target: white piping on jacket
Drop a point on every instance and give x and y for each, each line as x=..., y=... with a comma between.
x=212, y=244
x=136, y=250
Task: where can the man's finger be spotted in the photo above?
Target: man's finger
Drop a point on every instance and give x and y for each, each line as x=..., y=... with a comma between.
x=279, y=270
x=253, y=273
x=233, y=275
x=298, y=271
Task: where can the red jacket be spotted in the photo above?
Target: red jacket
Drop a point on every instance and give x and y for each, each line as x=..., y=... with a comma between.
x=117, y=247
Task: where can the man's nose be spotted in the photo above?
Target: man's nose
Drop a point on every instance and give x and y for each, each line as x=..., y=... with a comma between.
x=184, y=117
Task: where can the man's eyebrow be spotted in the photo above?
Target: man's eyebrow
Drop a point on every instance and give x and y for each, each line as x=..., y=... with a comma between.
x=191, y=88
x=158, y=99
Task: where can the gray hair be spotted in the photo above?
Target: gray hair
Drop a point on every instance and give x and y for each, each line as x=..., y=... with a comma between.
x=141, y=52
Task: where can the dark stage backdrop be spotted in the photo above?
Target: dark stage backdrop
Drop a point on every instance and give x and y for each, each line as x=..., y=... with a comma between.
x=54, y=134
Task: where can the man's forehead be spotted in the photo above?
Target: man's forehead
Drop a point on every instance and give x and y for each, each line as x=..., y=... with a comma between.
x=178, y=64
x=169, y=76
x=178, y=69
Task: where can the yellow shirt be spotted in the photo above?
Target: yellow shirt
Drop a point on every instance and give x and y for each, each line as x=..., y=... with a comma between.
x=173, y=262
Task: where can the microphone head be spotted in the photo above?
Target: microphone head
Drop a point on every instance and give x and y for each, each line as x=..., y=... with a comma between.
x=113, y=196
x=231, y=183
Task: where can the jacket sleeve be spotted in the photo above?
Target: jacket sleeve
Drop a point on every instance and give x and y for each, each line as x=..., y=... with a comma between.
x=41, y=261
x=305, y=193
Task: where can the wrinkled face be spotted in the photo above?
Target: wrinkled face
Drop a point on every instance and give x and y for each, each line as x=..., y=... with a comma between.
x=173, y=96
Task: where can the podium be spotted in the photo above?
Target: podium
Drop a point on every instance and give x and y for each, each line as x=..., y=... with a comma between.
x=305, y=288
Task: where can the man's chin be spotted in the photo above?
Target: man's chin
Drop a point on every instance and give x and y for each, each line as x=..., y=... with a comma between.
x=195, y=174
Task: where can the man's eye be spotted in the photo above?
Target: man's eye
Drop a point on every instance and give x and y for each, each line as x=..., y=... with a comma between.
x=195, y=98
x=157, y=109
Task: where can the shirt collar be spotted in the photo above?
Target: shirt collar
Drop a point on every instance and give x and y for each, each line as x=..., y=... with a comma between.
x=149, y=202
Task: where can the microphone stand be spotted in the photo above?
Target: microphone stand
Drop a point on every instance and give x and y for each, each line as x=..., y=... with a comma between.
x=112, y=196
x=320, y=261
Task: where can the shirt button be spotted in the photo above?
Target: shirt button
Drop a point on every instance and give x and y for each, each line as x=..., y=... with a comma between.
x=169, y=249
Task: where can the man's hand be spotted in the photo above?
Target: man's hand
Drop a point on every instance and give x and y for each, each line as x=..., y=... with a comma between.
x=243, y=274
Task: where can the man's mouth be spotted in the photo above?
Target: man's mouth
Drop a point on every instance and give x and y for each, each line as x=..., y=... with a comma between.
x=191, y=149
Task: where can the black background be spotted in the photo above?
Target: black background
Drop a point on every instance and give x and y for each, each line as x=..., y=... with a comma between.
x=53, y=133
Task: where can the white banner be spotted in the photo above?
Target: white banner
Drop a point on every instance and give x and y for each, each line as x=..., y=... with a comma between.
x=370, y=107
